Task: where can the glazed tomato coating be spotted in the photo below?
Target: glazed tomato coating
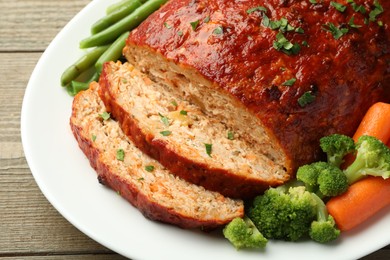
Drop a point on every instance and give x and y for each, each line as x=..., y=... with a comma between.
x=234, y=44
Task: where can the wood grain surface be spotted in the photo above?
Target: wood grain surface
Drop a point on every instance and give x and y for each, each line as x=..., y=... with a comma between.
x=30, y=228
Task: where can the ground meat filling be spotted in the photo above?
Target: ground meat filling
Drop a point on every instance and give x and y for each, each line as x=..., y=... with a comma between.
x=193, y=128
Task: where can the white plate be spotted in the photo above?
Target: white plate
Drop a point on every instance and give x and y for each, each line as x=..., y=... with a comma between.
x=66, y=179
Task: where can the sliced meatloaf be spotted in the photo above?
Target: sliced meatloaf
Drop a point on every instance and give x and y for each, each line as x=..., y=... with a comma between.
x=144, y=182
x=281, y=73
x=185, y=138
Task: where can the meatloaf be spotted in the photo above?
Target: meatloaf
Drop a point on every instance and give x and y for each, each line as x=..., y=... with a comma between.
x=282, y=73
x=158, y=194
x=191, y=143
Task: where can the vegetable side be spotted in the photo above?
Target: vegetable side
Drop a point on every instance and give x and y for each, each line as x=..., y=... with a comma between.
x=106, y=42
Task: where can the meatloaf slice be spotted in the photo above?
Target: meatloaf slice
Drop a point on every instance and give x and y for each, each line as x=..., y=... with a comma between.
x=158, y=194
x=284, y=72
x=186, y=139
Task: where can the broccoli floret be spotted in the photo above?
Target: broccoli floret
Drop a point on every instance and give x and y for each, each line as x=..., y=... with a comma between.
x=372, y=158
x=242, y=233
x=285, y=212
x=322, y=178
x=336, y=146
x=323, y=230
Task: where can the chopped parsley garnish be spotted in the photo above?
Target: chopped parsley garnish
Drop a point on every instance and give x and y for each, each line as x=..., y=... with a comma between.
x=174, y=103
x=164, y=119
x=120, y=155
x=167, y=25
x=194, y=25
x=299, y=30
x=335, y=31
x=180, y=33
x=165, y=133
x=207, y=19
x=357, y=8
x=266, y=21
x=284, y=45
x=306, y=98
x=339, y=7
x=209, y=148
x=275, y=24
x=313, y=1
x=289, y=82
x=376, y=11
x=105, y=115
x=258, y=8
x=218, y=30
x=141, y=179
x=281, y=43
x=352, y=24
x=230, y=135
x=281, y=25
x=183, y=112
x=149, y=168
x=93, y=138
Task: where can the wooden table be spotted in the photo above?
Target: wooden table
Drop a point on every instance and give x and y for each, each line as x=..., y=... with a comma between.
x=30, y=228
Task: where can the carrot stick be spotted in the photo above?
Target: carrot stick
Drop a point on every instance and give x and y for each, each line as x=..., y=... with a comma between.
x=362, y=200
x=376, y=122
x=366, y=197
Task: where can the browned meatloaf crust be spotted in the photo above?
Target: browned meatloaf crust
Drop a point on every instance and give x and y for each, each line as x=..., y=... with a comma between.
x=226, y=56
x=158, y=194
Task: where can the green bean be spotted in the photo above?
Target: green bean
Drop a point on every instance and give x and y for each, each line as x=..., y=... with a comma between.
x=82, y=64
x=113, y=53
x=115, y=6
x=112, y=8
x=76, y=86
x=126, y=24
x=115, y=16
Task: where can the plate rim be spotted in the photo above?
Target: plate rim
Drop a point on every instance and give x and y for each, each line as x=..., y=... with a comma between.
x=27, y=147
